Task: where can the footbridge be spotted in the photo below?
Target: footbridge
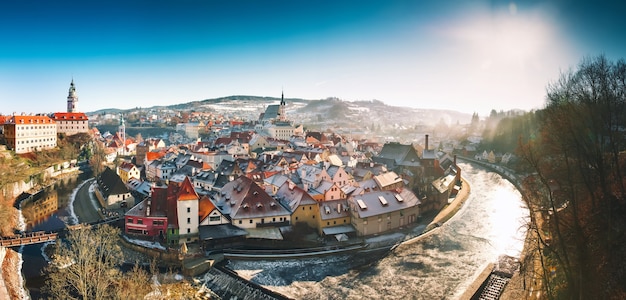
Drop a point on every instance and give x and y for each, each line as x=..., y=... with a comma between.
x=36, y=237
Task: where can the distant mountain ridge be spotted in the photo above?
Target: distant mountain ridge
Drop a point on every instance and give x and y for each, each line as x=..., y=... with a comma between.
x=328, y=108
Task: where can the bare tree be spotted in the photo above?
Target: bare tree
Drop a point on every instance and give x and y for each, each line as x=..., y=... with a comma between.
x=86, y=266
x=578, y=185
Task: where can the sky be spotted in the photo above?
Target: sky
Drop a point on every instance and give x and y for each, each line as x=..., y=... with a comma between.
x=468, y=56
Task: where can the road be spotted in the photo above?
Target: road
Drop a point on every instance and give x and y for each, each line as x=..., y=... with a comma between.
x=83, y=206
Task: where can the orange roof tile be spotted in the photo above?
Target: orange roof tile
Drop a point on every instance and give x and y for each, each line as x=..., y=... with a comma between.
x=63, y=116
x=30, y=120
x=205, y=207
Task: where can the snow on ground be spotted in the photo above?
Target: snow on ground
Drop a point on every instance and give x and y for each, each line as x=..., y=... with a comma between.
x=92, y=193
x=73, y=219
x=43, y=250
x=248, y=274
x=22, y=292
x=147, y=244
x=385, y=238
x=21, y=221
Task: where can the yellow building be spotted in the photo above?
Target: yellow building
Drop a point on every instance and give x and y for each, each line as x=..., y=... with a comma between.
x=334, y=218
x=304, y=209
x=126, y=171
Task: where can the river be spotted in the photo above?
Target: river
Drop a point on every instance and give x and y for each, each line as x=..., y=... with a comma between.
x=438, y=266
x=46, y=211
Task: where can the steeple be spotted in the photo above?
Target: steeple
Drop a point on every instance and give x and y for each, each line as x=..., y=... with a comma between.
x=281, y=109
x=282, y=98
x=122, y=131
x=72, y=99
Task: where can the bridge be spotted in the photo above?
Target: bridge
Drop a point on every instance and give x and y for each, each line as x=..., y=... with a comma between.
x=36, y=237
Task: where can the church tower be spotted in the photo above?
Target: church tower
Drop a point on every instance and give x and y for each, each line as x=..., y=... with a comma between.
x=122, y=131
x=282, y=116
x=72, y=99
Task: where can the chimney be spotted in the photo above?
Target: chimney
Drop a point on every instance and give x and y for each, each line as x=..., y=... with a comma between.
x=426, y=147
x=455, y=159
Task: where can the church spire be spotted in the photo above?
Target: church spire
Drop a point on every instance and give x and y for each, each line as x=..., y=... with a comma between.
x=281, y=109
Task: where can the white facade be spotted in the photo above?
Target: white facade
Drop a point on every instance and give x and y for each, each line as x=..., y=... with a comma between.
x=187, y=220
x=26, y=134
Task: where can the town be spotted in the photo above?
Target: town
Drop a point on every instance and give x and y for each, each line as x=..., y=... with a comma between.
x=216, y=184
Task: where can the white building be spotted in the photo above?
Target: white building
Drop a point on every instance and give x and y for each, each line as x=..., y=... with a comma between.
x=26, y=134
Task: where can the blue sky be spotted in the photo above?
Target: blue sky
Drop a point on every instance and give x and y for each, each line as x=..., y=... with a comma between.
x=470, y=57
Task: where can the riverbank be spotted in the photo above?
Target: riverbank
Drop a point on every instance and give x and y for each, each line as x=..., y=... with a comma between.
x=517, y=287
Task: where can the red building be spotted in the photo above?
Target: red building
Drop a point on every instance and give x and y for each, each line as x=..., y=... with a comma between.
x=148, y=219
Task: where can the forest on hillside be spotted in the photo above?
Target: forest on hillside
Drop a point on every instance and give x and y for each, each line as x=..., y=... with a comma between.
x=575, y=152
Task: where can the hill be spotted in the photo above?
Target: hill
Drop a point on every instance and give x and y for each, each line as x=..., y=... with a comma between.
x=314, y=111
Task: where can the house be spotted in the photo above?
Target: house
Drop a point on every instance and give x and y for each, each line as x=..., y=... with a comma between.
x=388, y=181
x=145, y=147
x=395, y=155
x=127, y=170
x=329, y=191
x=311, y=176
x=148, y=219
x=339, y=176
x=249, y=206
x=281, y=130
x=258, y=142
x=334, y=218
x=304, y=209
x=183, y=212
x=382, y=211
x=165, y=170
x=112, y=191
x=205, y=180
x=139, y=188
x=209, y=214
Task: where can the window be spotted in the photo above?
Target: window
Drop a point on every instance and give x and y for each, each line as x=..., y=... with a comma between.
x=188, y=230
x=129, y=220
x=250, y=221
x=188, y=220
x=239, y=221
x=188, y=209
x=139, y=221
x=158, y=222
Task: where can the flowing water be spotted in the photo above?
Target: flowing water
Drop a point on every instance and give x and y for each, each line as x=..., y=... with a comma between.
x=438, y=266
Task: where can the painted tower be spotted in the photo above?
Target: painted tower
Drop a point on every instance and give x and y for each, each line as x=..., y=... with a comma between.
x=72, y=99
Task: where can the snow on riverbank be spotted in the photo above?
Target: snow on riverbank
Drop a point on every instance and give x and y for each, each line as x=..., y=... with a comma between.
x=146, y=244
x=92, y=195
x=22, y=293
x=73, y=219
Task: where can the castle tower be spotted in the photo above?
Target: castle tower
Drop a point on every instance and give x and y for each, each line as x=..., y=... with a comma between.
x=72, y=99
x=282, y=116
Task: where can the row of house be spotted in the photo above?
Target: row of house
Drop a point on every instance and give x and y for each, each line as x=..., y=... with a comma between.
x=245, y=196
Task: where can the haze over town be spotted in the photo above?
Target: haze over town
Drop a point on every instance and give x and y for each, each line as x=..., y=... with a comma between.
x=470, y=57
